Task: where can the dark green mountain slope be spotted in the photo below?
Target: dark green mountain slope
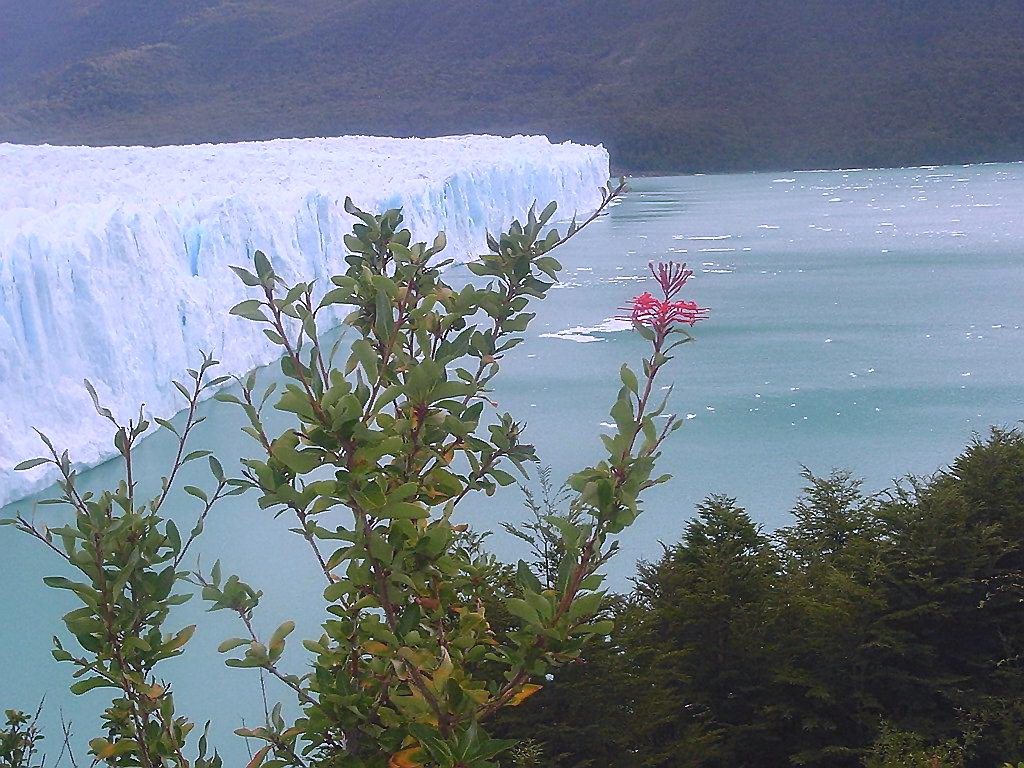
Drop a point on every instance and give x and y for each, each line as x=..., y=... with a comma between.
x=681, y=85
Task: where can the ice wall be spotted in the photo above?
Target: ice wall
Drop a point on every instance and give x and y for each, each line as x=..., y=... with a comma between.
x=114, y=261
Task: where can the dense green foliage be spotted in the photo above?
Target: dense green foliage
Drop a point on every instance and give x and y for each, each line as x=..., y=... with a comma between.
x=883, y=631
x=666, y=85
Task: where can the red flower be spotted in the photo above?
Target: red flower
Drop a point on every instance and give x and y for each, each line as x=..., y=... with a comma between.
x=662, y=314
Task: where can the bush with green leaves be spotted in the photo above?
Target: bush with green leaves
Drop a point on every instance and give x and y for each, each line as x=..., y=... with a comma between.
x=19, y=740
x=388, y=443
x=129, y=557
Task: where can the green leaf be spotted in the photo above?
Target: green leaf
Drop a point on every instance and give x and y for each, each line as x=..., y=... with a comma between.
x=199, y=493
x=173, y=536
x=246, y=276
x=367, y=358
x=629, y=379
x=29, y=464
x=282, y=632
x=263, y=269
x=527, y=579
x=276, y=644
x=384, y=320
x=180, y=639
x=587, y=605
x=622, y=413
x=548, y=212
x=82, y=686
x=601, y=627
x=410, y=620
x=166, y=425
x=216, y=469
x=501, y=477
x=250, y=309
x=403, y=510
x=523, y=610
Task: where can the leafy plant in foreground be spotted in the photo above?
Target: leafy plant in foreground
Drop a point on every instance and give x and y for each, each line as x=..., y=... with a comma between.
x=384, y=451
x=129, y=556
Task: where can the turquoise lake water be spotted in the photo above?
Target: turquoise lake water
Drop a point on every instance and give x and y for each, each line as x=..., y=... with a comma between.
x=866, y=319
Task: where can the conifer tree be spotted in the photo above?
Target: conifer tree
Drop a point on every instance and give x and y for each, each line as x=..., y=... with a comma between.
x=708, y=646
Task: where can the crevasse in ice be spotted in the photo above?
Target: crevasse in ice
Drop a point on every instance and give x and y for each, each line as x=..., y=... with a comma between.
x=114, y=260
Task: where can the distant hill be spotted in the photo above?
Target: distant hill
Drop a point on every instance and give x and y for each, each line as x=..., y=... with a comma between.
x=667, y=85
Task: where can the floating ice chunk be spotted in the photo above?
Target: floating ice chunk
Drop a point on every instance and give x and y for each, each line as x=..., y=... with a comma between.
x=580, y=338
x=585, y=334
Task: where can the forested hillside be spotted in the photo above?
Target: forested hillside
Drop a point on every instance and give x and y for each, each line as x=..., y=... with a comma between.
x=667, y=85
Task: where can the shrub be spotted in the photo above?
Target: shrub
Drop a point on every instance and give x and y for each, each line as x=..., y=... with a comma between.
x=384, y=448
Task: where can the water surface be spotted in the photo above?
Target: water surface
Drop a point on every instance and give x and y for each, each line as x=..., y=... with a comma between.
x=862, y=319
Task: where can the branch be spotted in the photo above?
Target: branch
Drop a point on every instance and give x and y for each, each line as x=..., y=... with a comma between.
x=25, y=526
x=190, y=423
x=217, y=494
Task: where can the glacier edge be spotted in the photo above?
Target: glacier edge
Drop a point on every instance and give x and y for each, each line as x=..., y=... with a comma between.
x=114, y=261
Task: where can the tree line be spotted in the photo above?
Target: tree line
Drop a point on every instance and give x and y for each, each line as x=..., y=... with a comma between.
x=876, y=630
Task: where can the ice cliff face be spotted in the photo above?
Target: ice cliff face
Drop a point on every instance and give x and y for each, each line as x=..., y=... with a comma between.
x=114, y=261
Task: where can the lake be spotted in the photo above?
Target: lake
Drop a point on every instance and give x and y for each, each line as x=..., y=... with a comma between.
x=866, y=319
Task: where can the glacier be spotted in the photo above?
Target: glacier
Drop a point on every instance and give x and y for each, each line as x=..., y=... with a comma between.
x=114, y=261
